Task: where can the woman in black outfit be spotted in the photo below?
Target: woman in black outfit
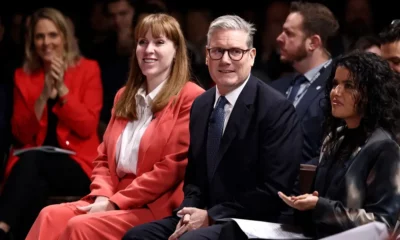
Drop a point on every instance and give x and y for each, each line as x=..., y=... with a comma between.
x=356, y=181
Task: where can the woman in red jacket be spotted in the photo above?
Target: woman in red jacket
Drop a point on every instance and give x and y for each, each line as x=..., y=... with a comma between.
x=138, y=174
x=57, y=101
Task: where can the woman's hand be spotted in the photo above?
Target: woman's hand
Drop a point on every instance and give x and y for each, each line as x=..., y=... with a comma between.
x=102, y=204
x=49, y=90
x=303, y=202
x=57, y=73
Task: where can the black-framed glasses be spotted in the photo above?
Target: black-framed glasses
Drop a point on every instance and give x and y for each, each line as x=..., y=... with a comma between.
x=236, y=54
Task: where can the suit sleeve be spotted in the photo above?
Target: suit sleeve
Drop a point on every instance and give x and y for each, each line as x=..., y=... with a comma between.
x=168, y=172
x=381, y=200
x=81, y=111
x=24, y=124
x=102, y=184
x=193, y=188
x=280, y=152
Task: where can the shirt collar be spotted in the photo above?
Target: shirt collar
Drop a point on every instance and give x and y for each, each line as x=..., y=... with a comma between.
x=311, y=75
x=232, y=96
x=152, y=95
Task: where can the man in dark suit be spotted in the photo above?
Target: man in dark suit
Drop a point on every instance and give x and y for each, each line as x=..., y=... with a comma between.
x=303, y=43
x=245, y=144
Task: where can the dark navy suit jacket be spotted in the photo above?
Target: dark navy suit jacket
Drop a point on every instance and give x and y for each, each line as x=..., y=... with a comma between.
x=310, y=111
x=259, y=155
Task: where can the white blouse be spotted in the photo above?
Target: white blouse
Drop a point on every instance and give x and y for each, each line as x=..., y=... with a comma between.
x=129, y=141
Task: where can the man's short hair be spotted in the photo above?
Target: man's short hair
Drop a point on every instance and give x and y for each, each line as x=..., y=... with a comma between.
x=391, y=33
x=317, y=19
x=365, y=42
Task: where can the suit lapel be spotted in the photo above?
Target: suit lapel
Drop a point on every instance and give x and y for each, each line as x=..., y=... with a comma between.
x=239, y=118
x=68, y=75
x=200, y=122
x=313, y=91
x=153, y=134
x=118, y=126
x=32, y=86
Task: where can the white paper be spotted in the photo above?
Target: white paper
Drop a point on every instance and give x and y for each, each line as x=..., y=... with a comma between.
x=258, y=229
x=370, y=231
x=48, y=149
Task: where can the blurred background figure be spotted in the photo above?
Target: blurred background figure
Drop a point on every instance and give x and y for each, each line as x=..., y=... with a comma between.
x=115, y=69
x=390, y=44
x=273, y=18
x=197, y=20
x=57, y=101
x=358, y=22
x=369, y=43
x=113, y=54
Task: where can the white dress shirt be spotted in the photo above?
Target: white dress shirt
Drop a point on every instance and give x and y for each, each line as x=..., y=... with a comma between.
x=231, y=97
x=129, y=142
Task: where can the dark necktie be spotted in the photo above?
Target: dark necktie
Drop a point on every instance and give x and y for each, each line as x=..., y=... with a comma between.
x=296, y=86
x=214, y=135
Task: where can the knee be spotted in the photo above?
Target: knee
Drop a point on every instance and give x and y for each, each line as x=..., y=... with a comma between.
x=30, y=155
x=187, y=236
x=77, y=223
x=50, y=211
x=28, y=160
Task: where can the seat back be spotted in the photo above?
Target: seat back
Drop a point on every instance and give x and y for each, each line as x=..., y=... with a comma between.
x=306, y=177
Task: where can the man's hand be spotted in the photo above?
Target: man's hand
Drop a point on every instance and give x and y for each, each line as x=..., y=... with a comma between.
x=181, y=227
x=193, y=218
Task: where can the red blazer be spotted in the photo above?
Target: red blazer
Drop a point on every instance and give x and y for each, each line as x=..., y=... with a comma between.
x=161, y=162
x=78, y=118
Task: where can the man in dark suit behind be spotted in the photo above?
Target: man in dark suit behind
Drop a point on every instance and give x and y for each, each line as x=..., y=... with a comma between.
x=303, y=42
x=245, y=144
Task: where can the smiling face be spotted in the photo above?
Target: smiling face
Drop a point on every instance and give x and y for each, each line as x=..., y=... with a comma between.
x=48, y=40
x=344, y=97
x=228, y=74
x=155, y=56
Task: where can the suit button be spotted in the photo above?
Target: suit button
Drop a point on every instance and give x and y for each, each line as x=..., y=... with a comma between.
x=67, y=142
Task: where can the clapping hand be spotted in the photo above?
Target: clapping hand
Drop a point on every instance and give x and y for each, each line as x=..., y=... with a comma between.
x=57, y=68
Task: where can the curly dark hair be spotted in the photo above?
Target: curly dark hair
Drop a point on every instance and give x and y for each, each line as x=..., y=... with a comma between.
x=378, y=89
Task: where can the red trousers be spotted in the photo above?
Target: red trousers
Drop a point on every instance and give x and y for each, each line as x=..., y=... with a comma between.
x=65, y=221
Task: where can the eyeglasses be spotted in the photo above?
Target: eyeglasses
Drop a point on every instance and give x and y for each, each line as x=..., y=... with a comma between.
x=236, y=54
